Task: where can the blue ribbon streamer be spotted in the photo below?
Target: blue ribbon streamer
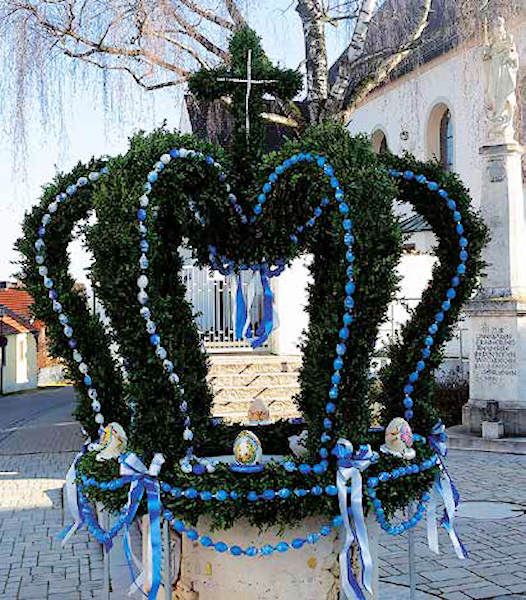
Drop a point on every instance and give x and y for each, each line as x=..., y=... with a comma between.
x=144, y=480
x=266, y=327
x=444, y=489
x=241, y=309
x=350, y=466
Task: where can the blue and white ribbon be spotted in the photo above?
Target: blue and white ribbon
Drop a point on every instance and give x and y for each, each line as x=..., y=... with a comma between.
x=266, y=327
x=443, y=489
x=243, y=303
x=350, y=467
x=71, y=497
x=143, y=480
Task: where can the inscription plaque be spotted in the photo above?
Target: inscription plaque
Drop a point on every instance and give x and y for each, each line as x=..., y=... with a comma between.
x=495, y=356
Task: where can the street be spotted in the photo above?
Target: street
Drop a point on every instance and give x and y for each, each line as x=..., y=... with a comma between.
x=38, y=440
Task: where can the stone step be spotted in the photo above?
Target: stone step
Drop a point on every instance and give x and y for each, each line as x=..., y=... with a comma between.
x=235, y=392
x=237, y=410
x=252, y=363
x=277, y=378
x=238, y=379
x=459, y=438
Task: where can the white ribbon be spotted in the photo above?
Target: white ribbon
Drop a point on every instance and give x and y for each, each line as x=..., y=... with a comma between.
x=71, y=497
x=358, y=463
x=443, y=490
x=250, y=297
x=70, y=489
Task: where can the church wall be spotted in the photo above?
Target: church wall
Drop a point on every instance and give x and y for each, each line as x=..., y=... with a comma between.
x=403, y=109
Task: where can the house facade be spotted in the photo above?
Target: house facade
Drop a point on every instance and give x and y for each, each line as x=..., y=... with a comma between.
x=435, y=110
x=42, y=369
x=18, y=353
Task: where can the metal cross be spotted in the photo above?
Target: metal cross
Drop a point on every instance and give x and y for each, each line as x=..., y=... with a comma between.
x=250, y=82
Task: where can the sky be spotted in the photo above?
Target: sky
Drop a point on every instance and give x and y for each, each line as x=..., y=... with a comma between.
x=93, y=121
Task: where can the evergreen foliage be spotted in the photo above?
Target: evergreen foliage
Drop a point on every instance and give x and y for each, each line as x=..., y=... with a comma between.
x=140, y=398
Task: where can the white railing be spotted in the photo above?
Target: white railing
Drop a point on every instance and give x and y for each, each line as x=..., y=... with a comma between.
x=210, y=294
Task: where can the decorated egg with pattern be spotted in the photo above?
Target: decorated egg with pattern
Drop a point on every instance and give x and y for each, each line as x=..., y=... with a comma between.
x=247, y=449
x=113, y=442
x=399, y=439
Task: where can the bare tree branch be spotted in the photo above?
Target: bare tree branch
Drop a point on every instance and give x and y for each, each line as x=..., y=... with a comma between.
x=235, y=13
x=388, y=65
x=147, y=39
x=209, y=15
x=354, y=50
x=199, y=37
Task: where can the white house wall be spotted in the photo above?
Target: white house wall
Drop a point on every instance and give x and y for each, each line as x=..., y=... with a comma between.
x=14, y=378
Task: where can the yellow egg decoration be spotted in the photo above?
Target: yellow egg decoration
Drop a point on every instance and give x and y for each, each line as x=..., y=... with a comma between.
x=247, y=449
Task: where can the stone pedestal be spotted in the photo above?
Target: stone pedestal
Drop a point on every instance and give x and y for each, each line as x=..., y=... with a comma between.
x=498, y=312
x=492, y=430
x=311, y=573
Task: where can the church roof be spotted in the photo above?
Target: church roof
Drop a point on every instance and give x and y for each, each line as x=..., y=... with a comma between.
x=414, y=224
x=450, y=23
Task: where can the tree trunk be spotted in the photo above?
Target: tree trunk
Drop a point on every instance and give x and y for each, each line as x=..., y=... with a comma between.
x=354, y=51
x=311, y=13
x=387, y=66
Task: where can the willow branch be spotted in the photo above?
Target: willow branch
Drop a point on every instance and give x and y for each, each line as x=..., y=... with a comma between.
x=208, y=15
x=199, y=37
x=235, y=13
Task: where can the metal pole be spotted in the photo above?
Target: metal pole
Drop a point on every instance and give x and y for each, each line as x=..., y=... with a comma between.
x=167, y=572
x=106, y=558
x=412, y=565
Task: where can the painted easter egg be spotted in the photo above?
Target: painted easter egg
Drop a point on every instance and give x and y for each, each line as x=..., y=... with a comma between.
x=113, y=442
x=247, y=449
x=399, y=439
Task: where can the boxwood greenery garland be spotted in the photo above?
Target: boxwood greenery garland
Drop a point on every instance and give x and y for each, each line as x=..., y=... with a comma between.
x=141, y=400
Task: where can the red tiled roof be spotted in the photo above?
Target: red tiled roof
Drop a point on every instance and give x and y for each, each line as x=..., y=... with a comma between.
x=6, y=329
x=19, y=301
x=12, y=323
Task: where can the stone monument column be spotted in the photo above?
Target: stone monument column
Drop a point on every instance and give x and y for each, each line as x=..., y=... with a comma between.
x=497, y=374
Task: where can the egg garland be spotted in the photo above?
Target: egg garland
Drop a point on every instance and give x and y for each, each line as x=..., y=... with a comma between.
x=201, y=466
x=229, y=268
x=150, y=325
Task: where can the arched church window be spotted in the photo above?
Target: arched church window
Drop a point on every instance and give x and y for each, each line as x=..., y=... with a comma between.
x=379, y=142
x=446, y=140
x=441, y=136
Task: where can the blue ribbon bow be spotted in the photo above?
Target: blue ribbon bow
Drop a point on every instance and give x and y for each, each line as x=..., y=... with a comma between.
x=350, y=466
x=143, y=480
x=443, y=489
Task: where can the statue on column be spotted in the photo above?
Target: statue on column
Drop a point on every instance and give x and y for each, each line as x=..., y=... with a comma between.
x=501, y=65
